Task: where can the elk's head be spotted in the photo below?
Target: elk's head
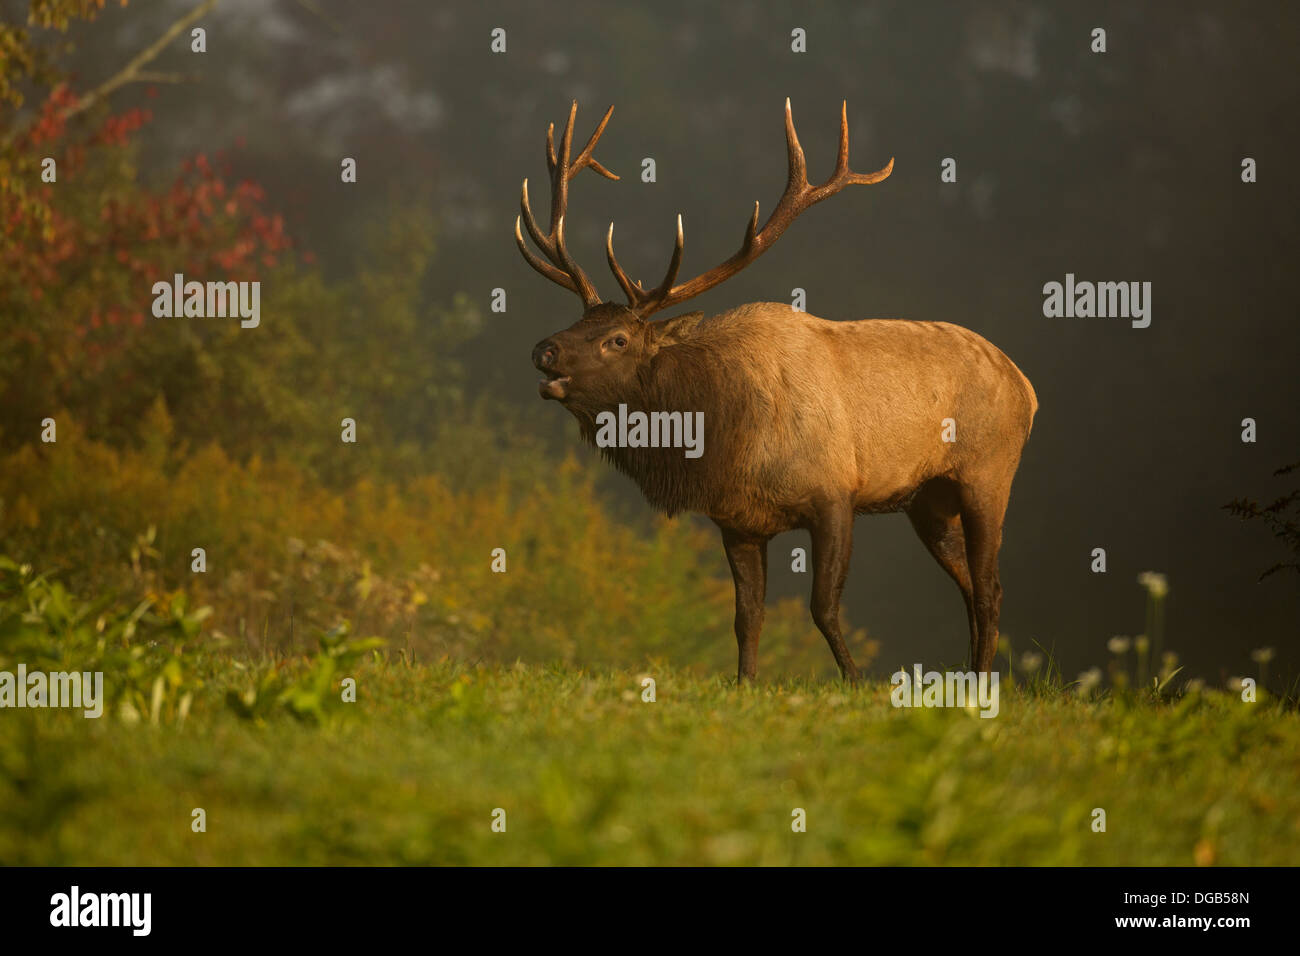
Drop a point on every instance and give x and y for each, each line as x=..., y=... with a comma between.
x=597, y=360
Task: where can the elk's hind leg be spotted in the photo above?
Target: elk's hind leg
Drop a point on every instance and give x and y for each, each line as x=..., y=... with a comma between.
x=983, y=509
x=832, y=546
x=935, y=514
x=747, y=556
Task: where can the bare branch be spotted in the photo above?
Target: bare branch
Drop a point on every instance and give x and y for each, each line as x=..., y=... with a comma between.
x=130, y=72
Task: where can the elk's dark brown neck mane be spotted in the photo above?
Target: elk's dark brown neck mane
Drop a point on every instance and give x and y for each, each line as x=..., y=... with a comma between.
x=683, y=376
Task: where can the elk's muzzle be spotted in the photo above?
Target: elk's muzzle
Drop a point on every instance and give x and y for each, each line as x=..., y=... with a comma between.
x=554, y=385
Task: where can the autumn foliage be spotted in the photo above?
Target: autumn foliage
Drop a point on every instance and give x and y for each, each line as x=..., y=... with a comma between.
x=79, y=254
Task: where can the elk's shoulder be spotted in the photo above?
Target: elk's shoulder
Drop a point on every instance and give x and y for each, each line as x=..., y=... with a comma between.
x=678, y=328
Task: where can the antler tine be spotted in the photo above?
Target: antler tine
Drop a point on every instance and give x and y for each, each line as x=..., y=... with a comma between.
x=674, y=264
x=630, y=289
x=561, y=269
x=798, y=176
x=560, y=174
x=797, y=187
x=842, y=159
x=541, y=265
x=533, y=230
x=842, y=172
x=637, y=297
x=867, y=179
x=751, y=231
x=586, y=159
x=584, y=287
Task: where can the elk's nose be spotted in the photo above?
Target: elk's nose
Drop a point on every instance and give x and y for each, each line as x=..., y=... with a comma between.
x=544, y=354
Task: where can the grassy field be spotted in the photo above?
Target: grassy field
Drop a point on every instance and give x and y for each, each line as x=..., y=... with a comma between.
x=589, y=773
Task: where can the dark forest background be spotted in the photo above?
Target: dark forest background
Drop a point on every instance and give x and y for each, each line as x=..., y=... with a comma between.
x=1122, y=166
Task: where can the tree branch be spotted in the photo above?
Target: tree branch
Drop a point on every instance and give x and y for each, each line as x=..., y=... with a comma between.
x=157, y=76
x=130, y=72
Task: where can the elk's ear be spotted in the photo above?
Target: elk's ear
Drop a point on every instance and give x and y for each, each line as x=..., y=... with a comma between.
x=673, y=331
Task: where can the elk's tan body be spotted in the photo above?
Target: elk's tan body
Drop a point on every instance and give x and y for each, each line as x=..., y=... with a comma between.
x=807, y=422
x=813, y=407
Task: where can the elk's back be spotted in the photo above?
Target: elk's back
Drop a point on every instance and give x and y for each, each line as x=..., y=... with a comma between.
x=804, y=407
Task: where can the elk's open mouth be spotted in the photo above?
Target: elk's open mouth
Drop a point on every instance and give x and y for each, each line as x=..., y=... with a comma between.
x=554, y=385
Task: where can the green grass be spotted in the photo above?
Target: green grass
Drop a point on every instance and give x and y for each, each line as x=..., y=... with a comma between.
x=588, y=773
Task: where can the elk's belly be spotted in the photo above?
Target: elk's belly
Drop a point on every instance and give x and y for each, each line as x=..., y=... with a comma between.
x=877, y=505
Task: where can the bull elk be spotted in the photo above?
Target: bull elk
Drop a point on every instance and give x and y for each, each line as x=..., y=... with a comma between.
x=807, y=422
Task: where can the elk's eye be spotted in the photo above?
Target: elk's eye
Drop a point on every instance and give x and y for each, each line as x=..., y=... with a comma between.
x=619, y=341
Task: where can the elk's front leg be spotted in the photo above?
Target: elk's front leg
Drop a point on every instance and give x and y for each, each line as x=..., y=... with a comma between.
x=832, y=545
x=747, y=556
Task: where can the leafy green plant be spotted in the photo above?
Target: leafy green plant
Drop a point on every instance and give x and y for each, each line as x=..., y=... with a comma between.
x=311, y=696
x=140, y=646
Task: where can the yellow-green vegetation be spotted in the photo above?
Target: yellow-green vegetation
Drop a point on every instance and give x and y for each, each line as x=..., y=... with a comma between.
x=587, y=771
x=409, y=560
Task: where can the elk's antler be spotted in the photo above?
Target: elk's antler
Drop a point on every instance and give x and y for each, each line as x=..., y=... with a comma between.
x=561, y=268
x=798, y=196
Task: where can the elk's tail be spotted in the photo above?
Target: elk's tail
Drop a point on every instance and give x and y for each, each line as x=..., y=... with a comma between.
x=1033, y=400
